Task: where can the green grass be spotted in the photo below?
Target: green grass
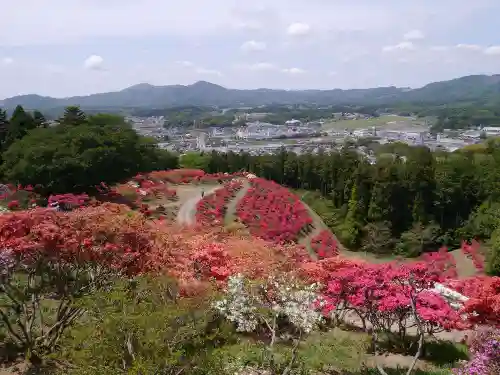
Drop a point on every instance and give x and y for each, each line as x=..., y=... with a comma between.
x=378, y=121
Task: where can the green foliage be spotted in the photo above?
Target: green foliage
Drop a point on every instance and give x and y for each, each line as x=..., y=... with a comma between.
x=194, y=160
x=140, y=326
x=73, y=116
x=77, y=158
x=493, y=255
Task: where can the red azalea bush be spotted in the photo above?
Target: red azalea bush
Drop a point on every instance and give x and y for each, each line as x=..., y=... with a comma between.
x=325, y=244
x=441, y=261
x=483, y=306
x=19, y=197
x=472, y=251
x=273, y=213
x=211, y=210
x=177, y=176
x=69, y=201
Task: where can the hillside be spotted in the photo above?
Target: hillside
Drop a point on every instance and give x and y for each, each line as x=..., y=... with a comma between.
x=114, y=286
x=469, y=88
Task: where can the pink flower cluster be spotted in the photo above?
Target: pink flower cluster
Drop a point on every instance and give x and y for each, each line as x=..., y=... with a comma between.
x=211, y=210
x=325, y=244
x=382, y=295
x=273, y=213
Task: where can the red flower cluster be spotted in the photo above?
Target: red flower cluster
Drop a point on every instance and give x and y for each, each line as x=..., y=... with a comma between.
x=273, y=213
x=211, y=210
x=483, y=307
x=442, y=262
x=325, y=244
x=177, y=176
x=472, y=251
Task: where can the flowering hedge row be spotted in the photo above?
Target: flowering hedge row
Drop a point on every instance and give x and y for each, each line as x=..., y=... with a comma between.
x=273, y=213
x=211, y=210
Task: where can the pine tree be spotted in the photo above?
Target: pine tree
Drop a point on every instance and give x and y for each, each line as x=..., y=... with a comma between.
x=39, y=119
x=4, y=127
x=73, y=116
x=19, y=125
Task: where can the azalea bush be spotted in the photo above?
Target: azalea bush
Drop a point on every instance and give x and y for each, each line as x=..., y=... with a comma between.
x=274, y=306
x=50, y=260
x=211, y=210
x=272, y=212
x=485, y=354
x=324, y=244
x=472, y=251
x=441, y=261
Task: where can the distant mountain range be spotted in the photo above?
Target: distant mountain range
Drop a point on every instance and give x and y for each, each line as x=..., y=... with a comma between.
x=469, y=88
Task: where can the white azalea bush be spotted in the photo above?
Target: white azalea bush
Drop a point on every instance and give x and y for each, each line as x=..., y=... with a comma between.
x=279, y=299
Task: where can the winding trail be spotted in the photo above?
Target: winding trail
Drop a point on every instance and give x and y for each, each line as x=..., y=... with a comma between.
x=231, y=206
x=187, y=212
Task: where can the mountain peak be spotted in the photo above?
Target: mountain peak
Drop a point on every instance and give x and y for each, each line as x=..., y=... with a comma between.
x=205, y=84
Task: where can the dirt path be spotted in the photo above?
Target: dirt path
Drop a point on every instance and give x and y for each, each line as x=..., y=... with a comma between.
x=231, y=206
x=187, y=211
x=465, y=265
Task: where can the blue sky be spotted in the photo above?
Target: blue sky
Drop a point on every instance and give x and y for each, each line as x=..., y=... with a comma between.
x=62, y=48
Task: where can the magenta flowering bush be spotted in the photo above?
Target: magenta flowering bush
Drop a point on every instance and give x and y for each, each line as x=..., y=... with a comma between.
x=485, y=354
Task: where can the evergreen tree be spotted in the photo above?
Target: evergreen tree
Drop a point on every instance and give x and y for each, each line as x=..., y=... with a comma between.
x=20, y=123
x=39, y=119
x=73, y=116
x=4, y=127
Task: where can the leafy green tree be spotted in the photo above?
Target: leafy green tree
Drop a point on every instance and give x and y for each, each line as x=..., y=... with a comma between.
x=73, y=116
x=69, y=159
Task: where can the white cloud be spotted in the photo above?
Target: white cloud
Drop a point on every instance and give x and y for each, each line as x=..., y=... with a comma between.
x=211, y=72
x=93, y=62
x=298, y=29
x=261, y=66
x=492, y=50
x=400, y=46
x=439, y=48
x=293, y=71
x=469, y=47
x=186, y=64
x=7, y=61
x=414, y=35
x=332, y=73
x=252, y=45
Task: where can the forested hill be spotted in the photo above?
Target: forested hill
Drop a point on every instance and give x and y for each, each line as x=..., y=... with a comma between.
x=477, y=88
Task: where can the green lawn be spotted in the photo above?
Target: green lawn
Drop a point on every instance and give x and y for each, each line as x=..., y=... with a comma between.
x=378, y=121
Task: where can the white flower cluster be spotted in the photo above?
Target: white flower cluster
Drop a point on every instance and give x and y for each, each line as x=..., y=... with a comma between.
x=296, y=302
x=237, y=307
x=283, y=297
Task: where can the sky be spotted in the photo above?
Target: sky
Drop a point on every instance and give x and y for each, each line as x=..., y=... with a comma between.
x=64, y=48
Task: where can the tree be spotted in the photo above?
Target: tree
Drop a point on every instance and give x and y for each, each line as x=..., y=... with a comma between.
x=19, y=125
x=493, y=256
x=73, y=116
x=77, y=158
x=4, y=128
x=39, y=120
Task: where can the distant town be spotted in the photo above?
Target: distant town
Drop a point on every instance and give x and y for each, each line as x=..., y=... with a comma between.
x=257, y=137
